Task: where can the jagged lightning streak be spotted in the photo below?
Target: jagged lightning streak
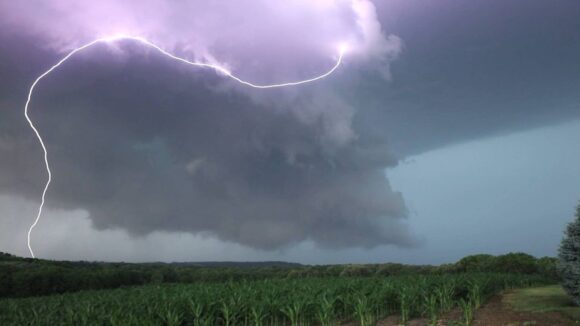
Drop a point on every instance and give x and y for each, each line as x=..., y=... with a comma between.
x=342, y=50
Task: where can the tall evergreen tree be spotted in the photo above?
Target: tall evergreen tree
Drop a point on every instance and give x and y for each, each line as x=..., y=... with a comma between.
x=569, y=254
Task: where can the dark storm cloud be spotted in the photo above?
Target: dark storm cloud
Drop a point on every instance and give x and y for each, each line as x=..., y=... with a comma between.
x=476, y=68
x=145, y=145
x=172, y=153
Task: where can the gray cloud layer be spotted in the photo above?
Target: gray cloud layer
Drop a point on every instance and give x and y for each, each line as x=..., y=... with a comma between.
x=147, y=145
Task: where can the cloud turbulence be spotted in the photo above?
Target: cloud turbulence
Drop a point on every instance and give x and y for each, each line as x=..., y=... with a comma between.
x=144, y=144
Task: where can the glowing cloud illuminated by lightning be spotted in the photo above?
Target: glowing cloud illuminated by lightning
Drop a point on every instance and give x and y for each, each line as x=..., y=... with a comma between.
x=118, y=37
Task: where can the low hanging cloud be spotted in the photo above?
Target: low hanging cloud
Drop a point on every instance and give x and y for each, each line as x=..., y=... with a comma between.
x=145, y=145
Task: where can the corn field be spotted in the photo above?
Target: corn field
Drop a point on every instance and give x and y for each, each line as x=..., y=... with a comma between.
x=309, y=301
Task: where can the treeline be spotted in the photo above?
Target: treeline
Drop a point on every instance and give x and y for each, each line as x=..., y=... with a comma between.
x=512, y=263
x=25, y=277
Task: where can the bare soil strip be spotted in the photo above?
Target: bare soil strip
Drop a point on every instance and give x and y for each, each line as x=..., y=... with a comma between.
x=495, y=312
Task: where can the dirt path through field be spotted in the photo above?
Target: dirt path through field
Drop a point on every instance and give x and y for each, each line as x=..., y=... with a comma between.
x=496, y=312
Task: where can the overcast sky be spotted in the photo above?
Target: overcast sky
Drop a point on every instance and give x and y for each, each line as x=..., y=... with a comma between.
x=450, y=129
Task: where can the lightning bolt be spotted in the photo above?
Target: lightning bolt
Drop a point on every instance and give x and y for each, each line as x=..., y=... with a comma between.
x=342, y=50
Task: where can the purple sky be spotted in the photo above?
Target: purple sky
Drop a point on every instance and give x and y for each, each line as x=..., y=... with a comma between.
x=163, y=160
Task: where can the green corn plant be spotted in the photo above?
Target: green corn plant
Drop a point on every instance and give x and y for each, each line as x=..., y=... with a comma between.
x=467, y=310
x=325, y=311
x=258, y=315
x=85, y=315
x=70, y=315
x=362, y=311
x=445, y=296
x=229, y=313
x=293, y=312
x=171, y=317
x=340, y=306
x=406, y=301
x=475, y=295
x=35, y=313
x=208, y=320
x=431, y=307
x=115, y=320
x=196, y=309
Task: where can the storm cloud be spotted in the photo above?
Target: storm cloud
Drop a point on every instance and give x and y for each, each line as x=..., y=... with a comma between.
x=146, y=145
x=258, y=39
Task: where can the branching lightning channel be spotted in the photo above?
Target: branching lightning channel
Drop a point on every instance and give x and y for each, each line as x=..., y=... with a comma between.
x=342, y=50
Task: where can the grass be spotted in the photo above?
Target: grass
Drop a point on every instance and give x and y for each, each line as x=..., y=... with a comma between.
x=543, y=299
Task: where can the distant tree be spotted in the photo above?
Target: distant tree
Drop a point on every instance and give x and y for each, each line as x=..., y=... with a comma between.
x=547, y=267
x=157, y=277
x=569, y=254
x=390, y=269
x=514, y=262
x=475, y=263
x=356, y=270
x=5, y=281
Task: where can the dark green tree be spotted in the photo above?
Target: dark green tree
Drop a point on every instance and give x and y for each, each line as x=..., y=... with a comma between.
x=514, y=262
x=475, y=263
x=569, y=254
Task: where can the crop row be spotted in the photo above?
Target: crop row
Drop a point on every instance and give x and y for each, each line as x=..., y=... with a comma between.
x=310, y=301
